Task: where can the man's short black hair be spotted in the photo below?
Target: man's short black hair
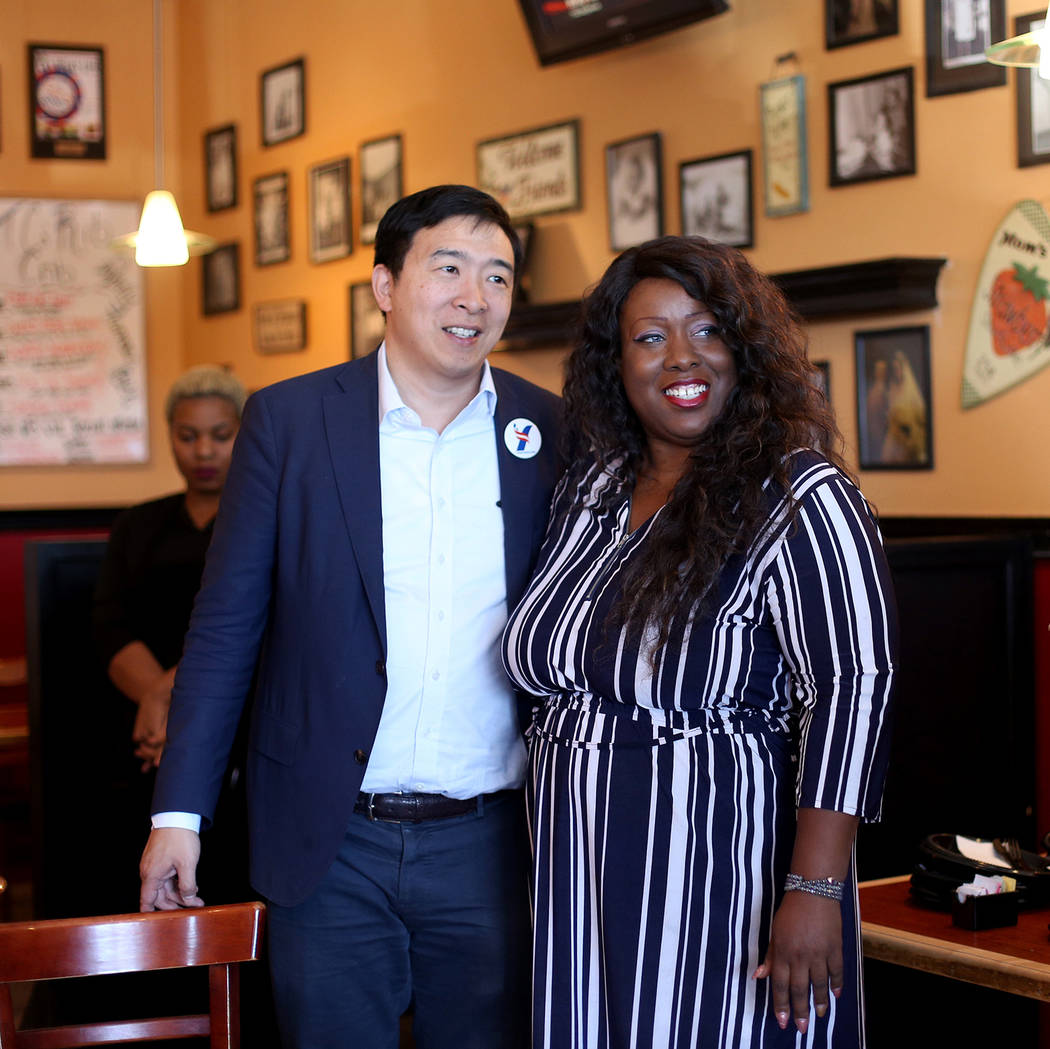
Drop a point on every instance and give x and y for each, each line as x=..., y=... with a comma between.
x=430, y=207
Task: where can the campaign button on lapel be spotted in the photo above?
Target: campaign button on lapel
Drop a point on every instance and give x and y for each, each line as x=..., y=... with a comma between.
x=522, y=438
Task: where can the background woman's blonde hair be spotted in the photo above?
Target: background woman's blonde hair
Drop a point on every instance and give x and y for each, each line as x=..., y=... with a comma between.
x=206, y=380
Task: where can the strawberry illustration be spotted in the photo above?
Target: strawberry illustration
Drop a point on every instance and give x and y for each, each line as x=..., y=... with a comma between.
x=1018, y=302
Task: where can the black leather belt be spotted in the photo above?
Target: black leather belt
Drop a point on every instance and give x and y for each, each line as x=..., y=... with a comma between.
x=413, y=808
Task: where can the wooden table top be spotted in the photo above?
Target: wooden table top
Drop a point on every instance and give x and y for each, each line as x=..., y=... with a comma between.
x=895, y=929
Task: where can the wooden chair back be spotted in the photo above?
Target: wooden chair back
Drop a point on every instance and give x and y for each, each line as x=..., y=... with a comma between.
x=218, y=937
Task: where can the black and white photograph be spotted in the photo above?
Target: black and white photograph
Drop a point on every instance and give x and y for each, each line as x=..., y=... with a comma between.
x=957, y=32
x=634, y=190
x=381, y=180
x=367, y=324
x=221, y=280
x=330, y=234
x=856, y=21
x=283, y=102
x=823, y=378
x=894, y=424
x=280, y=326
x=220, y=167
x=1033, y=104
x=272, y=241
x=716, y=198
x=872, y=127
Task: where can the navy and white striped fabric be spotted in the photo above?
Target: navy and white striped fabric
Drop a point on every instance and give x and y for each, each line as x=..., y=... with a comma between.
x=663, y=792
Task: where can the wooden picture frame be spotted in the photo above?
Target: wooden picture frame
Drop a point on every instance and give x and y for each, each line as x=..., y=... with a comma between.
x=221, y=280
x=381, y=163
x=270, y=219
x=367, y=322
x=67, y=102
x=220, y=168
x=282, y=102
x=785, y=165
x=331, y=229
x=279, y=326
x=957, y=32
x=634, y=191
x=871, y=127
x=534, y=172
x=847, y=22
x=716, y=198
x=1033, y=103
x=894, y=402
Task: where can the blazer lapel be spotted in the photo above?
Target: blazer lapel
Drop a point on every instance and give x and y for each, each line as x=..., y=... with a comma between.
x=352, y=426
x=517, y=481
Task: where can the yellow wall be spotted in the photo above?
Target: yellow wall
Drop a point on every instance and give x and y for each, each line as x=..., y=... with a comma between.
x=446, y=75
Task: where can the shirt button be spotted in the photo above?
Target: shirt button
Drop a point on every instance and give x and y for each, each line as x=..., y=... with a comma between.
x=436, y=674
x=380, y=667
x=441, y=559
x=441, y=617
x=360, y=756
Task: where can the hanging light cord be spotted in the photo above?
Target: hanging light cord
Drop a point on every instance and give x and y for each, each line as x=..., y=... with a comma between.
x=158, y=100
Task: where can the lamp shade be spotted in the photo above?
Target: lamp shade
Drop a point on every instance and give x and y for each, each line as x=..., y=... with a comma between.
x=161, y=240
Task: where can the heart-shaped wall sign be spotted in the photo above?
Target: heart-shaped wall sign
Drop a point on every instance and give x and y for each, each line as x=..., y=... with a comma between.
x=1008, y=339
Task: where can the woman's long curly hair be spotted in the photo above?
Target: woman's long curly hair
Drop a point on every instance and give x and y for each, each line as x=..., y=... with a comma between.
x=718, y=507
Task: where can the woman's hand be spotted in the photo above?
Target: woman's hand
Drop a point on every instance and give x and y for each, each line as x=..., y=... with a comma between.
x=151, y=721
x=805, y=952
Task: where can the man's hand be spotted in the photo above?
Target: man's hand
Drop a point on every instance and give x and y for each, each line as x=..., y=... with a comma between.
x=169, y=870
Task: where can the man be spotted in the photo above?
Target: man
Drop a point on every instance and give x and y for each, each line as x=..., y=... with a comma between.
x=379, y=518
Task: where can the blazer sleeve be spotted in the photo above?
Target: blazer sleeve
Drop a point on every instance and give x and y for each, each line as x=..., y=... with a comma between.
x=226, y=630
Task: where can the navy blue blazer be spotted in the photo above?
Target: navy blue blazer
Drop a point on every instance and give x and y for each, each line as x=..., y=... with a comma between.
x=293, y=587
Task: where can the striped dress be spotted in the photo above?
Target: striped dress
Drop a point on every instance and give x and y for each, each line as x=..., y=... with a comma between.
x=662, y=799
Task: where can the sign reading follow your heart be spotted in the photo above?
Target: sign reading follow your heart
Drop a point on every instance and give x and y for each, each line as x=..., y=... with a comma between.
x=1009, y=340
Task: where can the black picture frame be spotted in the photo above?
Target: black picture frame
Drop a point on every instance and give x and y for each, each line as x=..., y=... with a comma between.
x=634, y=191
x=282, y=102
x=871, y=127
x=220, y=168
x=367, y=323
x=894, y=398
x=67, y=102
x=1033, y=104
x=331, y=224
x=955, y=59
x=221, y=280
x=381, y=163
x=844, y=25
x=270, y=219
x=823, y=378
x=717, y=198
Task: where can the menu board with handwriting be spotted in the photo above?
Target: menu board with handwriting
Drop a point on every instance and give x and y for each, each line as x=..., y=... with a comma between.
x=72, y=335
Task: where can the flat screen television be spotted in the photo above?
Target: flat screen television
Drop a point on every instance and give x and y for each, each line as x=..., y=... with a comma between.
x=564, y=29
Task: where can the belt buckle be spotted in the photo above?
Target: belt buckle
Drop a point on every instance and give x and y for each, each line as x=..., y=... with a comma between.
x=372, y=808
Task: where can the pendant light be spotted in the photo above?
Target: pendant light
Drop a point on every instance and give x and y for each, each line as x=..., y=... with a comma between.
x=160, y=239
x=1029, y=50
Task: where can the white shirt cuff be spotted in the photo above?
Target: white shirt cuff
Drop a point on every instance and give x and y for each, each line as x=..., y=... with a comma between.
x=185, y=820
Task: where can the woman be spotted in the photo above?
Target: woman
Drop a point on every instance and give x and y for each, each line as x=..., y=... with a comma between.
x=155, y=556
x=712, y=628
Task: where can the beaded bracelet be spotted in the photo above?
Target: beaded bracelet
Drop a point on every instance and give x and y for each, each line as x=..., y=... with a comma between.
x=827, y=887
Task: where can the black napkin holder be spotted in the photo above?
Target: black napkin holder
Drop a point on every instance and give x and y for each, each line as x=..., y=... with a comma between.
x=985, y=912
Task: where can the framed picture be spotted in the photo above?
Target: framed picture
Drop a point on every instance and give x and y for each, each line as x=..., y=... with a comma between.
x=871, y=127
x=533, y=172
x=272, y=241
x=1033, y=104
x=283, y=102
x=785, y=169
x=957, y=32
x=367, y=323
x=331, y=236
x=855, y=21
x=220, y=168
x=67, y=102
x=634, y=190
x=221, y=280
x=381, y=182
x=894, y=421
x=716, y=198
x=280, y=326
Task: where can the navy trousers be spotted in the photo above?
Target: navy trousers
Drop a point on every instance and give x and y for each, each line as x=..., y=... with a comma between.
x=433, y=915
